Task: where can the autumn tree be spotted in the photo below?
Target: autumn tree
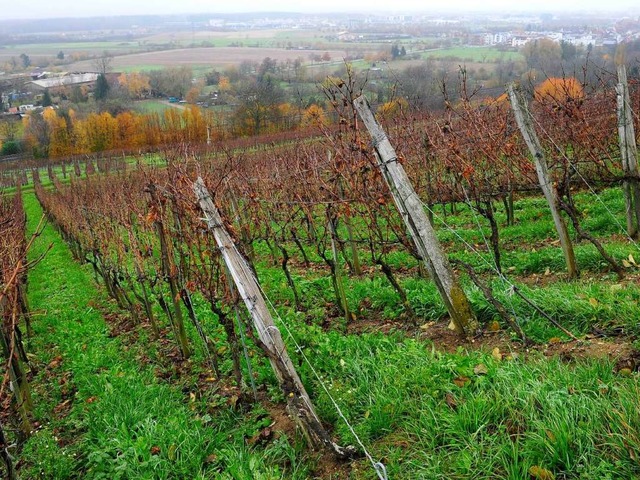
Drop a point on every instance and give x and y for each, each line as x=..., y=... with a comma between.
x=136, y=84
x=559, y=91
x=314, y=115
x=258, y=99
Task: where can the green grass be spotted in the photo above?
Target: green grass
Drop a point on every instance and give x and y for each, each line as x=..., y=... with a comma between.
x=473, y=54
x=152, y=106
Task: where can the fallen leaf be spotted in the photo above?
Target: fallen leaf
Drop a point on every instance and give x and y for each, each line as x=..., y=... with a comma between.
x=593, y=302
x=55, y=362
x=495, y=353
x=632, y=260
x=554, y=340
x=171, y=453
x=625, y=372
x=461, y=381
x=213, y=458
x=451, y=401
x=626, y=264
x=452, y=326
x=480, y=369
x=540, y=473
x=493, y=326
x=547, y=272
x=261, y=437
x=155, y=450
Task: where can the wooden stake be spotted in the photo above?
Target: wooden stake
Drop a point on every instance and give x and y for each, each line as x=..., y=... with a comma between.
x=525, y=124
x=628, y=153
x=298, y=402
x=422, y=233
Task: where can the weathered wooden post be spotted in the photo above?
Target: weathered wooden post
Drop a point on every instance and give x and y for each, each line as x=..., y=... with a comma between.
x=299, y=404
x=422, y=233
x=525, y=124
x=628, y=153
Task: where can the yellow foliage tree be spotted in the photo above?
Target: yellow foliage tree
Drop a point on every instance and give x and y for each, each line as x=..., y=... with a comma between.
x=314, y=115
x=558, y=91
x=392, y=108
x=224, y=85
x=137, y=84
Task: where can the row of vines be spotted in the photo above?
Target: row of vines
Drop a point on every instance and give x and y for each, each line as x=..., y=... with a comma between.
x=14, y=312
x=316, y=201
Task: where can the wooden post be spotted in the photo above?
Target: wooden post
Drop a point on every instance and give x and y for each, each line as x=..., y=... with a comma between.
x=337, y=273
x=525, y=124
x=413, y=214
x=628, y=153
x=299, y=404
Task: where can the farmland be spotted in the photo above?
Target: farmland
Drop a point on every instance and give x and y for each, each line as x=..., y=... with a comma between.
x=219, y=57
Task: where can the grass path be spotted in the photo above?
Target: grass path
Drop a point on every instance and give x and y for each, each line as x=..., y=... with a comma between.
x=102, y=414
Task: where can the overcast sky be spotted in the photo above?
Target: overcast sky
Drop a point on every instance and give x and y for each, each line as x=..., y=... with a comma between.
x=83, y=8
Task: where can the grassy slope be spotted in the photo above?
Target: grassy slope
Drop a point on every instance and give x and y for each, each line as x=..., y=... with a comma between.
x=426, y=414
x=119, y=412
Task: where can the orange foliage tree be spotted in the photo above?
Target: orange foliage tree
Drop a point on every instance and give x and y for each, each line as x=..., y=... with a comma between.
x=559, y=91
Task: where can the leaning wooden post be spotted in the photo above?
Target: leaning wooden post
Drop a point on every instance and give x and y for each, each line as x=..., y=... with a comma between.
x=299, y=404
x=525, y=124
x=422, y=233
x=628, y=153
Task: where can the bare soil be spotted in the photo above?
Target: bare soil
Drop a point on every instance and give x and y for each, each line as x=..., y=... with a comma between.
x=214, y=56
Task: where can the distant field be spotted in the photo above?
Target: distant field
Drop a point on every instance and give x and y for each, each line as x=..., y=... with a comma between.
x=473, y=54
x=38, y=51
x=152, y=106
x=200, y=57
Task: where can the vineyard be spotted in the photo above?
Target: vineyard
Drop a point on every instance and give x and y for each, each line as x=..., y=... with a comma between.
x=407, y=295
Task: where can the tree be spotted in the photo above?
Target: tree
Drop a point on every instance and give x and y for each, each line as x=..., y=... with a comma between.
x=267, y=67
x=212, y=77
x=171, y=82
x=136, y=84
x=258, y=100
x=26, y=61
x=103, y=64
x=102, y=87
x=60, y=55
x=544, y=55
x=46, y=98
x=559, y=91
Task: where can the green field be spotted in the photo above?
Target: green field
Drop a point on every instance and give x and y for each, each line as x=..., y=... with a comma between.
x=473, y=54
